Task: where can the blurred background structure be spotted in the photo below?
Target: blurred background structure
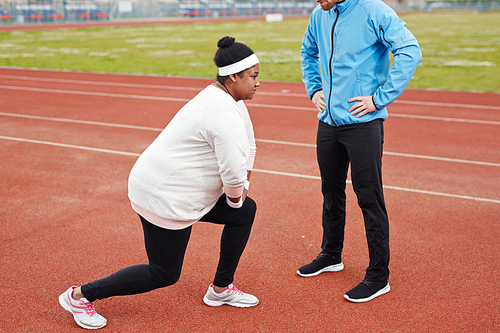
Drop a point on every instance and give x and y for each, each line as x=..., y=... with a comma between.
x=50, y=11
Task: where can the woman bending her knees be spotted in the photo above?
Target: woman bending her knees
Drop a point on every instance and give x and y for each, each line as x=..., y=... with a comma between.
x=197, y=169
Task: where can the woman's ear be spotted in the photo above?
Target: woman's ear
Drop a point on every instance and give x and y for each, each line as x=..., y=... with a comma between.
x=233, y=77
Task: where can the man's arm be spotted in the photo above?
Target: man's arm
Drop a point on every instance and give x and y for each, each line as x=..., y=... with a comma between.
x=393, y=33
x=309, y=63
x=407, y=55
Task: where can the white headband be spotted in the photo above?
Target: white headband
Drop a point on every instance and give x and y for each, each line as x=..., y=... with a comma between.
x=239, y=66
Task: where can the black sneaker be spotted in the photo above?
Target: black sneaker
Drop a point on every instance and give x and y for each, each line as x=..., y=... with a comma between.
x=366, y=291
x=324, y=262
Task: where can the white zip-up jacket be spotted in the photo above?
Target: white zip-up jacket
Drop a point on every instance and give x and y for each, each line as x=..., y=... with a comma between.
x=203, y=152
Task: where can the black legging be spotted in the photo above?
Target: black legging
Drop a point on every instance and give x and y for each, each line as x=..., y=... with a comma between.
x=166, y=248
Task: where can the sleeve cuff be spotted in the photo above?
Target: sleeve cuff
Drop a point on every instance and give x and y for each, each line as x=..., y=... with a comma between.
x=312, y=95
x=250, y=162
x=375, y=104
x=234, y=205
x=234, y=192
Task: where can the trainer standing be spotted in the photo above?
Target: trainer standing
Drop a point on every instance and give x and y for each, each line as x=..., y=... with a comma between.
x=196, y=169
x=347, y=73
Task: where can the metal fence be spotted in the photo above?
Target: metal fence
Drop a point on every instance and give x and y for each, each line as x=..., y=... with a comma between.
x=53, y=11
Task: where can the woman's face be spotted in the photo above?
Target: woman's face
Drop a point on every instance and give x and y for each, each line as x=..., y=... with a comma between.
x=246, y=83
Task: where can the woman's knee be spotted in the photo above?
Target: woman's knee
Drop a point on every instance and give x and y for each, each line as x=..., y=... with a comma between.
x=243, y=216
x=249, y=210
x=161, y=279
x=250, y=205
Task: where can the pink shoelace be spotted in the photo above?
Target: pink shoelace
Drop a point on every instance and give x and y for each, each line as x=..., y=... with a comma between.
x=235, y=290
x=89, y=308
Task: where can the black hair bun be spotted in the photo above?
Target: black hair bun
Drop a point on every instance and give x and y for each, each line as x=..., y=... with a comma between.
x=225, y=42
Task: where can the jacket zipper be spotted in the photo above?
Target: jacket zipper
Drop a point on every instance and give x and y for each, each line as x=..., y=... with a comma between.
x=330, y=68
x=383, y=35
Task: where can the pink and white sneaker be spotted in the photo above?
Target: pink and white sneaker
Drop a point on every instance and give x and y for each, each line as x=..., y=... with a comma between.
x=231, y=296
x=83, y=311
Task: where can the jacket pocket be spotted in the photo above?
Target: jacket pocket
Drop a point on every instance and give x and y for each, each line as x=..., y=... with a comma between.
x=357, y=86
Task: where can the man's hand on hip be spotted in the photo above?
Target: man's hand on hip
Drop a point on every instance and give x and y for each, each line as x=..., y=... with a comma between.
x=364, y=106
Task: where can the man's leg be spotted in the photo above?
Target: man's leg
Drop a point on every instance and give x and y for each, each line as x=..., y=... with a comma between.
x=333, y=164
x=364, y=144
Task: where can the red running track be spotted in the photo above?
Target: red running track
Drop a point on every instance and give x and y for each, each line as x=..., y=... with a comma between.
x=69, y=139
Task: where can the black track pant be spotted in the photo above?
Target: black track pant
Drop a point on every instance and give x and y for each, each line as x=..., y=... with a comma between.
x=166, y=248
x=361, y=146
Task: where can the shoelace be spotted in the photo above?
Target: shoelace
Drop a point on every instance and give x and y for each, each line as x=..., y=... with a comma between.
x=322, y=255
x=89, y=308
x=235, y=290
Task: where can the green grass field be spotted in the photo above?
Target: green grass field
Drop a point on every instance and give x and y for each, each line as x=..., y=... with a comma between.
x=460, y=50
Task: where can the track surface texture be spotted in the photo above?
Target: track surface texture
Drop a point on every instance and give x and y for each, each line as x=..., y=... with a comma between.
x=69, y=139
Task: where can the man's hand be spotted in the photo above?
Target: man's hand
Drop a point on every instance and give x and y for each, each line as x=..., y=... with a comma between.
x=364, y=106
x=318, y=100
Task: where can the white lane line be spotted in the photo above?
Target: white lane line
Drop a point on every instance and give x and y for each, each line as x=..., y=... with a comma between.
x=64, y=145
x=287, y=94
x=90, y=93
x=275, y=106
x=100, y=83
x=267, y=106
x=397, y=188
x=436, y=158
x=296, y=175
x=135, y=85
x=76, y=121
x=391, y=114
x=449, y=105
x=310, y=145
x=297, y=144
x=288, y=174
x=445, y=159
x=155, y=98
x=457, y=120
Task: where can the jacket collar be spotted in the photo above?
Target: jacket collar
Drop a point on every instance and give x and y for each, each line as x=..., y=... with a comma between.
x=342, y=7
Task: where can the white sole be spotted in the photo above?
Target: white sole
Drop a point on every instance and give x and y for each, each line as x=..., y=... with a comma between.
x=382, y=291
x=219, y=303
x=331, y=268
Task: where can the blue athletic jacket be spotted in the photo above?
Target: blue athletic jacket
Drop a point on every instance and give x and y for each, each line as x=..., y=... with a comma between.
x=349, y=45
